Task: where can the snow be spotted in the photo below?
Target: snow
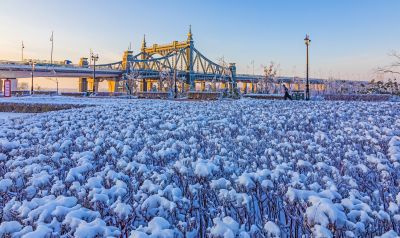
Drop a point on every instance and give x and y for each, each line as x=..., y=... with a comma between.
x=6, y=116
x=324, y=212
x=226, y=227
x=220, y=183
x=244, y=168
x=43, y=99
x=41, y=231
x=5, y=184
x=158, y=224
x=321, y=232
x=96, y=228
x=204, y=168
x=272, y=229
x=9, y=227
x=389, y=234
x=122, y=210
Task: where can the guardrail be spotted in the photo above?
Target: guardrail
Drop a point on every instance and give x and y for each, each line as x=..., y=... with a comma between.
x=264, y=96
x=110, y=94
x=74, y=94
x=50, y=93
x=152, y=95
x=204, y=95
x=19, y=93
x=358, y=97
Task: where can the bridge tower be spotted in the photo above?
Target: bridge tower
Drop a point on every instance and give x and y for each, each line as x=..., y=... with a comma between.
x=232, y=68
x=113, y=82
x=164, y=50
x=143, y=56
x=128, y=56
x=83, y=82
x=189, y=58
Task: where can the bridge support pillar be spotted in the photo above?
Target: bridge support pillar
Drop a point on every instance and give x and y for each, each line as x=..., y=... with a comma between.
x=203, y=86
x=144, y=86
x=186, y=87
x=90, y=85
x=252, y=87
x=214, y=86
x=192, y=84
x=140, y=88
x=244, y=87
x=83, y=86
x=112, y=85
x=222, y=85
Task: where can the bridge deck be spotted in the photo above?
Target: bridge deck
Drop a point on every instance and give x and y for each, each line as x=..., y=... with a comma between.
x=25, y=71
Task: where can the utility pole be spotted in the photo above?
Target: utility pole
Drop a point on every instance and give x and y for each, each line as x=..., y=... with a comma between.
x=32, y=70
x=94, y=57
x=52, y=45
x=307, y=42
x=22, y=48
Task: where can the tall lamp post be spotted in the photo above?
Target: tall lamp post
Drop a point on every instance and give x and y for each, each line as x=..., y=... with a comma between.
x=32, y=70
x=94, y=57
x=22, y=49
x=175, y=85
x=307, y=42
x=52, y=46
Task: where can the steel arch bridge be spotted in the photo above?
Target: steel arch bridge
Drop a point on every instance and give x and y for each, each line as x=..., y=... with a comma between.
x=150, y=65
x=179, y=58
x=203, y=68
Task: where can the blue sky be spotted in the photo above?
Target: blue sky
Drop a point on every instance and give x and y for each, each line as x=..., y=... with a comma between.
x=349, y=37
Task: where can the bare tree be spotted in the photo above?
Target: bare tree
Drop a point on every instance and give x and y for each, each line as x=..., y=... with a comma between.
x=270, y=72
x=393, y=68
x=225, y=73
x=132, y=81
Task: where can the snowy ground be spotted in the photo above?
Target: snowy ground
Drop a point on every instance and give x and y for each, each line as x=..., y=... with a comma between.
x=246, y=168
x=7, y=116
x=43, y=99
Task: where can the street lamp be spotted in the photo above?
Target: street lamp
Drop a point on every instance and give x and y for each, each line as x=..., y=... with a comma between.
x=307, y=42
x=94, y=57
x=175, y=85
x=32, y=70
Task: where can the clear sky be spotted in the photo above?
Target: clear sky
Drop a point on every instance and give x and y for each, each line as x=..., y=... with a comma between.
x=350, y=38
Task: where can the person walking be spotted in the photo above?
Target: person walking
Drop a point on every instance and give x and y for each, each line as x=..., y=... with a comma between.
x=287, y=95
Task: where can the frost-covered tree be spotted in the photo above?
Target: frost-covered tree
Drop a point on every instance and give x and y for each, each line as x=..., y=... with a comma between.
x=267, y=84
x=393, y=68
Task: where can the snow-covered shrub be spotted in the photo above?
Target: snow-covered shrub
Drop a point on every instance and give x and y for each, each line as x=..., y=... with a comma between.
x=245, y=168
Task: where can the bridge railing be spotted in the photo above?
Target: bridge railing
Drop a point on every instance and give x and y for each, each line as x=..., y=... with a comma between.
x=38, y=63
x=43, y=66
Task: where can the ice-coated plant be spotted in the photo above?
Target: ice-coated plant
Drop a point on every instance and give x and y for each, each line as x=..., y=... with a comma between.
x=246, y=168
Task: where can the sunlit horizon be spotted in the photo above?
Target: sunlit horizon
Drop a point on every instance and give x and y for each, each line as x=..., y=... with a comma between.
x=350, y=39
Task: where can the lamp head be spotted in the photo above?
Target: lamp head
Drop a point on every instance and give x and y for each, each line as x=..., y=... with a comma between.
x=307, y=40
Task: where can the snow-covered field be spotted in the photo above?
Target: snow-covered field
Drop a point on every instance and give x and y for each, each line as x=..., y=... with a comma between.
x=6, y=116
x=43, y=99
x=246, y=168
